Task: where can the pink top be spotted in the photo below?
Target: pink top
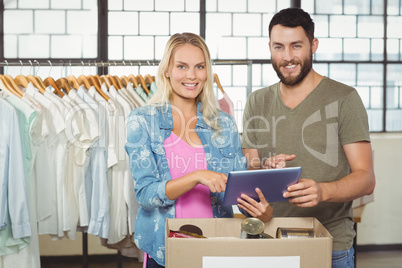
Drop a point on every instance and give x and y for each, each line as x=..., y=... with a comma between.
x=184, y=159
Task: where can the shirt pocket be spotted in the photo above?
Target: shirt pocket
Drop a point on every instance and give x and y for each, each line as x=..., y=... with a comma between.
x=225, y=159
x=159, y=152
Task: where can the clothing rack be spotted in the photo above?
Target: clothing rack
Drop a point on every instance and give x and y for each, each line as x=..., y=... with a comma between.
x=97, y=63
x=102, y=67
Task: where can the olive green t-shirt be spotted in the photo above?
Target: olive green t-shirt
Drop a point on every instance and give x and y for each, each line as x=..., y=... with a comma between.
x=331, y=116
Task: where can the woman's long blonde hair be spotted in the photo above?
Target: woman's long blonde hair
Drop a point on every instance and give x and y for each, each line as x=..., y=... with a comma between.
x=164, y=92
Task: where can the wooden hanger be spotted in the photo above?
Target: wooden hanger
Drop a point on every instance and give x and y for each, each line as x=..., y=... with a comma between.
x=141, y=80
x=124, y=80
x=50, y=82
x=112, y=81
x=97, y=77
x=148, y=79
x=133, y=80
x=218, y=83
x=118, y=81
x=94, y=81
x=11, y=86
x=40, y=81
x=83, y=80
x=62, y=83
x=21, y=80
x=35, y=82
x=5, y=87
x=72, y=81
x=106, y=80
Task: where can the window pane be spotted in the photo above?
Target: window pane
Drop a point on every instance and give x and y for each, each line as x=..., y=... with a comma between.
x=240, y=75
x=258, y=48
x=160, y=42
x=394, y=77
x=232, y=48
x=66, y=46
x=321, y=68
x=62, y=4
x=342, y=26
x=393, y=97
x=33, y=4
x=377, y=49
x=138, y=5
x=123, y=23
x=154, y=23
x=18, y=21
x=308, y=6
x=10, y=46
x=27, y=50
x=283, y=4
x=370, y=74
x=115, y=5
x=393, y=49
x=82, y=22
x=232, y=5
x=393, y=7
x=376, y=98
x=269, y=75
x=394, y=27
x=251, y=28
x=138, y=48
x=357, y=7
x=192, y=5
x=357, y=49
x=163, y=5
x=345, y=73
x=370, y=26
x=394, y=122
x=329, y=49
x=375, y=118
x=57, y=19
x=185, y=22
x=321, y=26
x=115, y=47
x=266, y=6
x=364, y=93
x=329, y=7
x=377, y=7
x=61, y=29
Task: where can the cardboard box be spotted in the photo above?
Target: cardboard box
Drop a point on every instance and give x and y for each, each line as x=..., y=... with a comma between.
x=224, y=242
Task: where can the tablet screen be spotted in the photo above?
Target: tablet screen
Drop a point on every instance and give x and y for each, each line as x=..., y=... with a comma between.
x=272, y=182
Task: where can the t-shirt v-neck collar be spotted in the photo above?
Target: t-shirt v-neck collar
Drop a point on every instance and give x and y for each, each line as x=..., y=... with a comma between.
x=278, y=93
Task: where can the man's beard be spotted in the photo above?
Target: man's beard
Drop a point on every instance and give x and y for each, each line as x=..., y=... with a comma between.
x=291, y=81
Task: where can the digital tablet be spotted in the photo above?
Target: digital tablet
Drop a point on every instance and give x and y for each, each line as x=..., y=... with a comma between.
x=272, y=182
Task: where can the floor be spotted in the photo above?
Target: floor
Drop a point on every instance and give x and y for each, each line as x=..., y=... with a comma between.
x=376, y=259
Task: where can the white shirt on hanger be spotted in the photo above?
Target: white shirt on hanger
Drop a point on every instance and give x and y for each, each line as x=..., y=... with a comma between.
x=80, y=163
x=61, y=152
x=96, y=178
x=45, y=165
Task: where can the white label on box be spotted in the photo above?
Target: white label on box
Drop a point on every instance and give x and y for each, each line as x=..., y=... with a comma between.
x=241, y=262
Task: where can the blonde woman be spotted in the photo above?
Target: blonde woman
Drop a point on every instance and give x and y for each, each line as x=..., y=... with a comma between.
x=181, y=148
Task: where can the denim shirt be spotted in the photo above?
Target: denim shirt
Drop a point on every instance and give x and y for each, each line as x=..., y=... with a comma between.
x=147, y=129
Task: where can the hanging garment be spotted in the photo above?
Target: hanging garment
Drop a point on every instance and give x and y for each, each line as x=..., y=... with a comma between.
x=26, y=256
x=226, y=104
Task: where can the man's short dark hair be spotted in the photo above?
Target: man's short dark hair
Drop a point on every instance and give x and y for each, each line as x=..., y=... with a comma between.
x=293, y=17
